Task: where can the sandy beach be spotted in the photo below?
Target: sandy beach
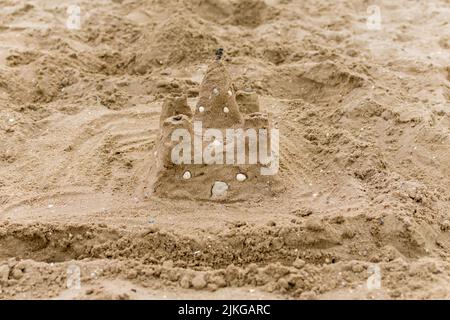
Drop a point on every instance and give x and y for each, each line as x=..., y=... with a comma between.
x=360, y=93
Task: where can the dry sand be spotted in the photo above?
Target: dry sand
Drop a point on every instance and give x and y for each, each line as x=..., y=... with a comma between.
x=364, y=117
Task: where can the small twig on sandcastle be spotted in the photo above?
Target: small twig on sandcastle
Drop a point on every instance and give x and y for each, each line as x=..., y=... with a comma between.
x=219, y=53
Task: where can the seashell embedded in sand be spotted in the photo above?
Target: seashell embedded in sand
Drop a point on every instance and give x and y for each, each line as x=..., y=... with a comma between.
x=187, y=175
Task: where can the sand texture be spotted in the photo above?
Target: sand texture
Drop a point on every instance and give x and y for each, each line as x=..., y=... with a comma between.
x=364, y=178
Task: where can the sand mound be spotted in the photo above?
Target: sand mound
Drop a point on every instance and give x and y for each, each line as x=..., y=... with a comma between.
x=251, y=13
x=179, y=39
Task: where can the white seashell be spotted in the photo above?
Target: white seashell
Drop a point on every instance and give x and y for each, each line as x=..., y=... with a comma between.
x=201, y=109
x=187, y=175
x=241, y=177
x=219, y=188
x=226, y=110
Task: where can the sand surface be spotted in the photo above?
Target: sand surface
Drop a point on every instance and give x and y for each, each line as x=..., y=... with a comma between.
x=364, y=117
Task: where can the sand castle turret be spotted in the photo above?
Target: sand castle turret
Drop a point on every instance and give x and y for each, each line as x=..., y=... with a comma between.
x=217, y=153
x=174, y=105
x=217, y=107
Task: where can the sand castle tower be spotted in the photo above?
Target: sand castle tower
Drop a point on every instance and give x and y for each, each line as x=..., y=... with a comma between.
x=217, y=153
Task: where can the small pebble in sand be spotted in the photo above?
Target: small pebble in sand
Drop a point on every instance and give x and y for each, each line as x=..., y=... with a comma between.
x=299, y=263
x=357, y=268
x=17, y=273
x=226, y=110
x=219, y=188
x=230, y=93
x=198, y=282
x=215, y=92
x=241, y=177
x=185, y=282
x=201, y=109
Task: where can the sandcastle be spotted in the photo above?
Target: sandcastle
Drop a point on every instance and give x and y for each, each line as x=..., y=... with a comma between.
x=220, y=152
